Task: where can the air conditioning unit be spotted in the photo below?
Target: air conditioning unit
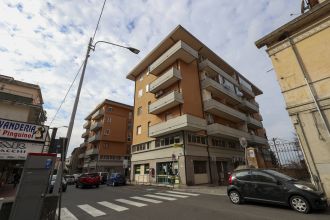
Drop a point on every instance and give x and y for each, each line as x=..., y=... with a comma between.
x=159, y=93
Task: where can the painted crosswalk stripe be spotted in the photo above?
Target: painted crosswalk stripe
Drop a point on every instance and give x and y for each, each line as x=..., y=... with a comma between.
x=113, y=206
x=183, y=193
x=129, y=202
x=91, y=210
x=160, y=197
x=66, y=214
x=146, y=199
x=171, y=195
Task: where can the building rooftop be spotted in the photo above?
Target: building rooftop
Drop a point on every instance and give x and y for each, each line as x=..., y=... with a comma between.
x=180, y=33
x=110, y=102
x=310, y=17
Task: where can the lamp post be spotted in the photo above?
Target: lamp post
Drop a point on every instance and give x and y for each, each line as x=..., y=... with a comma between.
x=75, y=105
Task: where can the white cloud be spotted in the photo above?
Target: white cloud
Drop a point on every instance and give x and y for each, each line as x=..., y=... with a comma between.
x=57, y=32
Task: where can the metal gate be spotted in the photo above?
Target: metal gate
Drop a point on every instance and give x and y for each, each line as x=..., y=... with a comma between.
x=288, y=158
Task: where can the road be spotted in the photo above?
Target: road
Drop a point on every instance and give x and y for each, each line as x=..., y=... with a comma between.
x=117, y=203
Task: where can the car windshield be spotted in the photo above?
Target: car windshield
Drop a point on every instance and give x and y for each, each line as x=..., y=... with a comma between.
x=280, y=175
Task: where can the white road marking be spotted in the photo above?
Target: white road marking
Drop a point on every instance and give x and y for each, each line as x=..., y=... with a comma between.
x=183, y=193
x=66, y=214
x=160, y=197
x=146, y=199
x=171, y=195
x=129, y=202
x=91, y=210
x=113, y=206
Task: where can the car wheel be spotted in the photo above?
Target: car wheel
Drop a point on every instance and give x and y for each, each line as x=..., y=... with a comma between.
x=235, y=197
x=300, y=204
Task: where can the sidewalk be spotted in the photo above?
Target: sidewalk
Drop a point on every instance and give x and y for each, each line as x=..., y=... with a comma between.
x=204, y=189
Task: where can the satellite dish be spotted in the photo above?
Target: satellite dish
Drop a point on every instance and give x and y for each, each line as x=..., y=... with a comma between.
x=243, y=142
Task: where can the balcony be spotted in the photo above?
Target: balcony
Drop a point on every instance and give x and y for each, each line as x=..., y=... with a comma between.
x=214, y=70
x=226, y=132
x=82, y=155
x=91, y=151
x=258, y=140
x=180, y=123
x=166, y=102
x=219, y=90
x=171, y=76
x=180, y=50
x=98, y=114
x=96, y=126
x=87, y=124
x=83, y=144
x=247, y=91
x=94, y=138
x=249, y=106
x=85, y=134
x=224, y=111
x=254, y=122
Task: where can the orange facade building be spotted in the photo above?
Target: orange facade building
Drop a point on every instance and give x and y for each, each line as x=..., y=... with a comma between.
x=190, y=109
x=107, y=138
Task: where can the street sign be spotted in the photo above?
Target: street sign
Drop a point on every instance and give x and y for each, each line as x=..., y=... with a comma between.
x=243, y=142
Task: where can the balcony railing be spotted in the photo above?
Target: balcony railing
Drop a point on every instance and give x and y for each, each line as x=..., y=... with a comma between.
x=168, y=101
x=85, y=134
x=96, y=125
x=180, y=50
x=219, y=109
x=93, y=138
x=98, y=114
x=254, y=122
x=83, y=144
x=91, y=151
x=247, y=90
x=171, y=76
x=214, y=70
x=82, y=155
x=87, y=124
x=180, y=123
x=250, y=106
x=220, y=90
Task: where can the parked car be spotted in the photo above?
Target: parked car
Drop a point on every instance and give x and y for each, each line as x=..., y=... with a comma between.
x=116, y=179
x=76, y=176
x=269, y=186
x=103, y=176
x=69, y=179
x=88, y=179
x=52, y=183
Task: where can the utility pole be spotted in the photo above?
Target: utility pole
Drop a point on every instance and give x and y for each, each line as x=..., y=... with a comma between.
x=73, y=115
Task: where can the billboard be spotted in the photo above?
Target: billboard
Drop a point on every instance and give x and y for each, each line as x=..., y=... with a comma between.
x=22, y=131
x=17, y=150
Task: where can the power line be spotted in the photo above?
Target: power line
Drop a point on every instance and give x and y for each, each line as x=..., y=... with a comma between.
x=58, y=109
x=98, y=22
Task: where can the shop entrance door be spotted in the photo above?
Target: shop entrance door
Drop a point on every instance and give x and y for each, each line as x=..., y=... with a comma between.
x=222, y=169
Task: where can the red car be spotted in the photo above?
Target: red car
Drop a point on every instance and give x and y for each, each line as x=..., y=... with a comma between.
x=88, y=179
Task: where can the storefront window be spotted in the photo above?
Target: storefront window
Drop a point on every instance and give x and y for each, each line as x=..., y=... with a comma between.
x=199, y=167
x=137, y=169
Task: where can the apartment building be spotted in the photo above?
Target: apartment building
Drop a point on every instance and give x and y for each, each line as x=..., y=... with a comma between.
x=190, y=109
x=20, y=107
x=107, y=138
x=300, y=53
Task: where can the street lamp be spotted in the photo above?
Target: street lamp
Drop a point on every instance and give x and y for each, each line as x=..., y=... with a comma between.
x=75, y=105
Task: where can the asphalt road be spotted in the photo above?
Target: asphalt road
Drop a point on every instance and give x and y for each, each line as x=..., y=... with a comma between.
x=116, y=203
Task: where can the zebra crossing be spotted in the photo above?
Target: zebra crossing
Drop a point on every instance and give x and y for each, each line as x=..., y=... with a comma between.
x=121, y=205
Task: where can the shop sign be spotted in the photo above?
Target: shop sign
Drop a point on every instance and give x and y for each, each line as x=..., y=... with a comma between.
x=14, y=150
x=22, y=131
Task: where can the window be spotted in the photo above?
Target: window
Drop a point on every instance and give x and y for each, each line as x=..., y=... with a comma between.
x=130, y=115
x=140, y=92
x=148, y=126
x=147, y=88
x=107, y=132
x=140, y=147
x=129, y=138
x=244, y=175
x=109, y=120
x=262, y=177
x=110, y=109
x=139, y=110
x=146, y=168
x=197, y=139
x=168, y=116
x=199, y=167
x=137, y=169
x=138, y=129
x=167, y=141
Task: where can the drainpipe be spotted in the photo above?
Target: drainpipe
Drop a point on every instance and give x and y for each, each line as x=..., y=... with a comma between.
x=309, y=150
x=308, y=83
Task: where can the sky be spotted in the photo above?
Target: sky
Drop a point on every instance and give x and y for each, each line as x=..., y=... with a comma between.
x=44, y=42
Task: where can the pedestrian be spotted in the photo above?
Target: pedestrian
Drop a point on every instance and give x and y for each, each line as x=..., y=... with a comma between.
x=16, y=179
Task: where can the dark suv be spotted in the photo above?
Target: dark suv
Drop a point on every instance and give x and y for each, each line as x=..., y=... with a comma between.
x=269, y=186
